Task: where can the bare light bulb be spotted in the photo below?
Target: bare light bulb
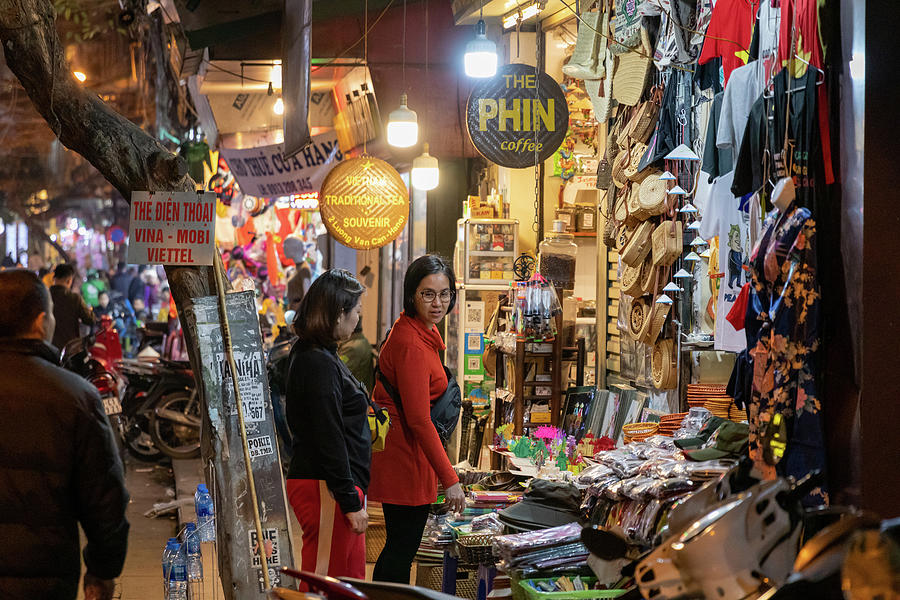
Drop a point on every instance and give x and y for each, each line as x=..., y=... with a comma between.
x=278, y=107
x=403, y=126
x=425, y=172
x=481, y=54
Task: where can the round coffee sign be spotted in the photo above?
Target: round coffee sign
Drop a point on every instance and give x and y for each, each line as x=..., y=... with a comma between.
x=364, y=203
x=512, y=112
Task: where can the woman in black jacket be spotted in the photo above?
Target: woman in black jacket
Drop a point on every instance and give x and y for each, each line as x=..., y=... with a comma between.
x=327, y=413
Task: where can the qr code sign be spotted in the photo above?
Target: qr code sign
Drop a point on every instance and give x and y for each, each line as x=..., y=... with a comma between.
x=273, y=554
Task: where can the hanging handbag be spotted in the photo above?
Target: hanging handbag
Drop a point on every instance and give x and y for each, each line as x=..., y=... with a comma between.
x=637, y=318
x=667, y=243
x=630, y=283
x=632, y=171
x=626, y=26
x=653, y=325
x=664, y=365
x=638, y=246
x=444, y=411
x=631, y=73
x=651, y=199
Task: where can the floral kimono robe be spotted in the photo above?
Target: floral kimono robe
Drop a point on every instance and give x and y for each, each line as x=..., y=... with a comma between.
x=782, y=326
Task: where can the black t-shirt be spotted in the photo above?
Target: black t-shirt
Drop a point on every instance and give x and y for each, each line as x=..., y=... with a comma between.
x=716, y=161
x=764, y=137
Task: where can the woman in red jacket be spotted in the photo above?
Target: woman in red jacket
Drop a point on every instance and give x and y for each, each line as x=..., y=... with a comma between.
x=405, y=475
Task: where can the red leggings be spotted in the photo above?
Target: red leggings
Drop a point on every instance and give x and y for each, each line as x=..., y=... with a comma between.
x=329, y=545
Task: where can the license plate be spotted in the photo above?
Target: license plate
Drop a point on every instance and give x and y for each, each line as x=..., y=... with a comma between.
x=112, y=406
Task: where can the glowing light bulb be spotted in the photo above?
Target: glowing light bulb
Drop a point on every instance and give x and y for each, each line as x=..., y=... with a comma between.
x=80, y=76
x=278, y=107
x=425, y=172
x=403, y=126
x=481, y=54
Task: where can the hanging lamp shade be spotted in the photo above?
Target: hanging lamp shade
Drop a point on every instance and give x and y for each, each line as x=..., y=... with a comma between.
x=677, y=191
x=481, y=54
x=682, y=152
x=682, y=274
x=688, y=209
x=403, y=126
x=672, y=288
x=692, y=257
x=425, y=172
x=667, y=176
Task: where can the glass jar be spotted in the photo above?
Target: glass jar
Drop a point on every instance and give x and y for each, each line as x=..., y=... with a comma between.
x=557, y=254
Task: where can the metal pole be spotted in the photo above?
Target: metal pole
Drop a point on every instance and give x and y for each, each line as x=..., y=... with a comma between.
x=229, y=354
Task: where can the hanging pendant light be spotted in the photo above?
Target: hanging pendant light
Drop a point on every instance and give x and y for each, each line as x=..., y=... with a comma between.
x=481, y=54
x=403, y=126
x=425, y=172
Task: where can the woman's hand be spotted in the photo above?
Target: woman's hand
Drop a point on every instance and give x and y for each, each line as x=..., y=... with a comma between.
x=456, y=498
x=359, y=520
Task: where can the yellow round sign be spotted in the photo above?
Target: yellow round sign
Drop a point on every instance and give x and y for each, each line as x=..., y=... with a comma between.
x=364, y=203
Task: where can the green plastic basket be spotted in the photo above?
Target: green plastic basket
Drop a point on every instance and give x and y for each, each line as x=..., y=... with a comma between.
x=534, y=594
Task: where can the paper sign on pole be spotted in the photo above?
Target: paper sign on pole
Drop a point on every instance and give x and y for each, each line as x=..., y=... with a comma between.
x=172, y=228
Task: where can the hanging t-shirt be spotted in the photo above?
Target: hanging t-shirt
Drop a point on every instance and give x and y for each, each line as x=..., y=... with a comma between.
x=724, y=219
x=804, y=16
x=744, y=87
x=729, y=34
x=717, y=160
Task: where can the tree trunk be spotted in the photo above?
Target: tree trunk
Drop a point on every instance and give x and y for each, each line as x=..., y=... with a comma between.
x=125, y=155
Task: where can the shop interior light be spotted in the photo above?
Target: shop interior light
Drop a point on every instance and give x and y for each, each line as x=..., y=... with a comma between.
x=525, y=13
x=80, y=76
x=667, y=176
x=481, y=54
x=692, y=257
x=682, y=274
x=278, y=107
x=425, y=172
x=688, y=209
x=403, y=126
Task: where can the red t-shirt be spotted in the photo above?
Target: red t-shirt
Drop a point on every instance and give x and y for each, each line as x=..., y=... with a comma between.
x=729, y=34
x=413, y=460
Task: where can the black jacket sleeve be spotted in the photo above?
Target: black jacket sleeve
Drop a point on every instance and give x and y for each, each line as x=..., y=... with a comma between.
x=100, y=494
x=315, y=411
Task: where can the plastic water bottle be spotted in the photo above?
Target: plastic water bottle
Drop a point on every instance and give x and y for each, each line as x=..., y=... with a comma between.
x=192, y=543
x=168, y=566
x=203, y=505
x=178, y=581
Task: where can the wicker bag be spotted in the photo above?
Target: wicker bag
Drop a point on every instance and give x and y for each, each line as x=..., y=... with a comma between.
x=659, y=312
x=633, y=171
x=667, y=243
x=623, y=160
x=649, y=278
x=622, y=236
x=632, y=279
x=663, y=365
x=631, y=73
x=622, y=212
x=639, y=244
x=638, y=317
x=651, y=197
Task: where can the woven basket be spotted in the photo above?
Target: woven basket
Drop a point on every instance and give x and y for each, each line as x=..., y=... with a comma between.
x=667, y=243
x=623, y=160
x=649, y=282
x=476, y=549
x=622, y=210
x=654, y=325
x=622, y=236
x=636, y=430
x=639, y=244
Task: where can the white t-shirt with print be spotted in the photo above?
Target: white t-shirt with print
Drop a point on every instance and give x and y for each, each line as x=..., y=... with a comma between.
x=723, y=218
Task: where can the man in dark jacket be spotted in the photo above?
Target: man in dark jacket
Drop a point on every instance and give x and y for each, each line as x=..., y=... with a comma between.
x=69, y=309
x=58, y=461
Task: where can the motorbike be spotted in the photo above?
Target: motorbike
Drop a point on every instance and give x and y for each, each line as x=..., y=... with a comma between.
x=93, y=357
x=347, y=588
x=163, y=409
